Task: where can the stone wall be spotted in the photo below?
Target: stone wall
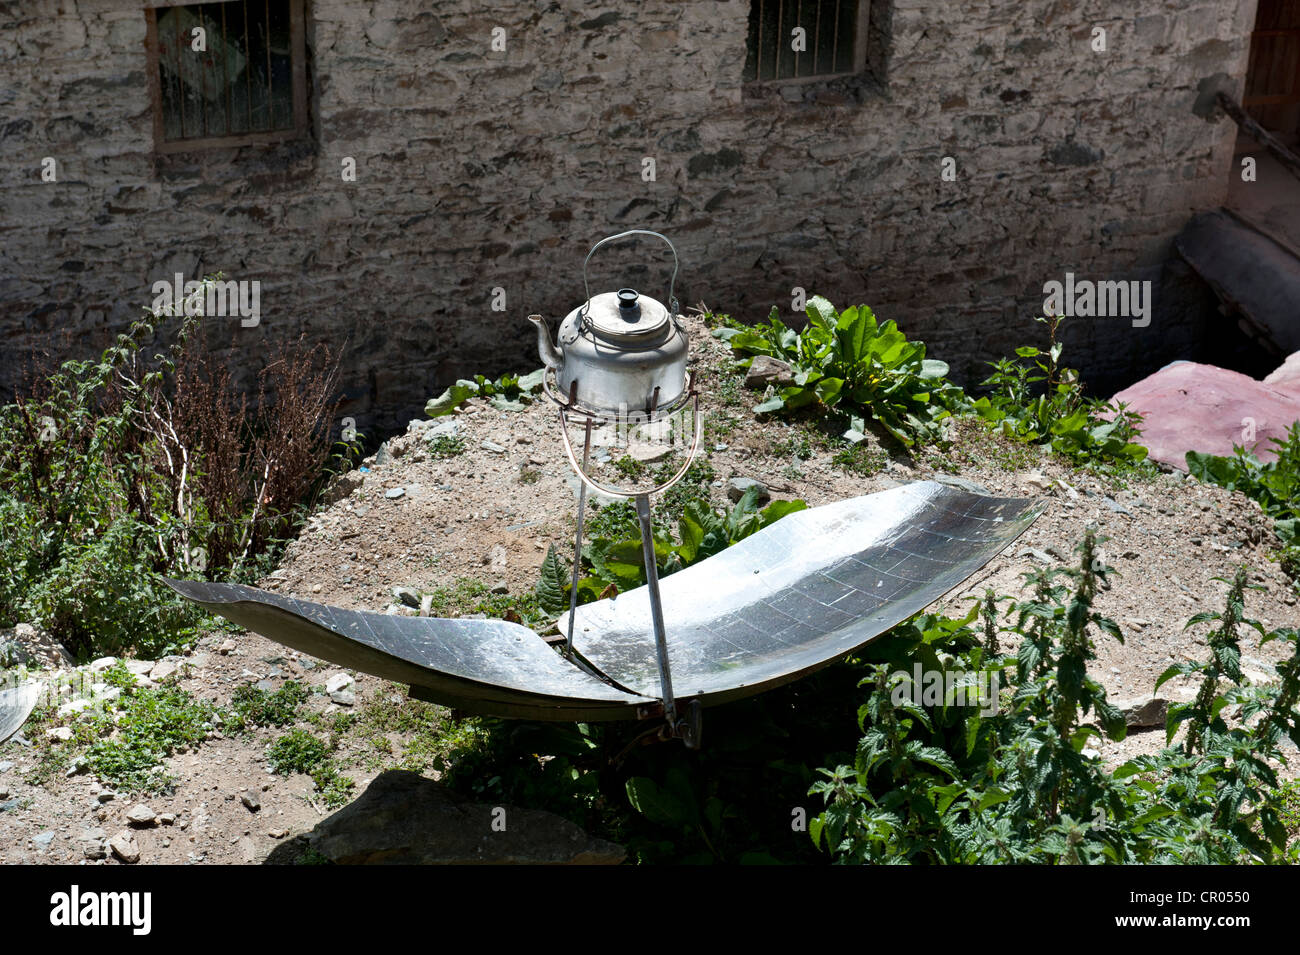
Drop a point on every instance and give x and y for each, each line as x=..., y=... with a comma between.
x=479, y=169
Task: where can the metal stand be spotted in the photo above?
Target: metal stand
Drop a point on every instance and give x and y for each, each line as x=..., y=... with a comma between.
x=686, y=728
x=656, y=607
x=577, y=542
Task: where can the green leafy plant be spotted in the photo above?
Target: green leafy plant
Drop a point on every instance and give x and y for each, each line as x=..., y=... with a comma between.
x=702, y=531
x=299, y=751
x=507, y=393
x=446, y=446
x=250, y=706
x=940, y=783
x=1275, y=485
x=849, y=360
x=130, y=467
x=1035, y=400
x=151, y=724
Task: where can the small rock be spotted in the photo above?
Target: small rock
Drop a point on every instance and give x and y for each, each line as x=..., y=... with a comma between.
x=1145, y=712
x=961, y=484
x=139, y=667
x=43, y=840
x=493, y=447
x=444, y=429
x=106, y=796
x=344, y=698
x=102, y=664
x=124, y=847
x=95, y=850
x=141, y=815
x=73, y=706
x=339, y=681
x=1036, y=479
x=61, y=733
x=393, y=493
x=277, y=833
x=407, y=596
x=649, y=453
x=250, y=800
x=167, y=818
x=227, y=648
x=1116, y=506
x=1041, y=556
x=738, y=486
x=765, y=370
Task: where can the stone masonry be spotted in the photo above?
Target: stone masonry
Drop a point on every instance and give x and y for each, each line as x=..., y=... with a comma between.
x=481, y=169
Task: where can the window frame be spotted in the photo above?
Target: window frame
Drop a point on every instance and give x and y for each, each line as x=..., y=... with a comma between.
x=860, y=42
x=298, y=70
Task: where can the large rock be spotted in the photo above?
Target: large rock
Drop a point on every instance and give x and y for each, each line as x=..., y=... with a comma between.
x=26, y=645
x=1286, y=376
x=1193, y=407
x=404, y=819
x=765, y=370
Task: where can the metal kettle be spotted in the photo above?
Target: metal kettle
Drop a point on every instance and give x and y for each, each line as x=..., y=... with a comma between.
x=619, y=352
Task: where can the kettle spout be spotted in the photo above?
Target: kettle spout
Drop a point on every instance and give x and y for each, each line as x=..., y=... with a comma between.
x=551, y=358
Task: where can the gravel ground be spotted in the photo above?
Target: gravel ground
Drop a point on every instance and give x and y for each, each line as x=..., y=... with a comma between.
x=489, y=514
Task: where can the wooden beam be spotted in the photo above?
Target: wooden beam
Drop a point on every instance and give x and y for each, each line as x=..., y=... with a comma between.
x=1257, y=132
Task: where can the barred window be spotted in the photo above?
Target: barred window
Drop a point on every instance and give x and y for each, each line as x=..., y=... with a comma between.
x=227, y=73
x=800, y=39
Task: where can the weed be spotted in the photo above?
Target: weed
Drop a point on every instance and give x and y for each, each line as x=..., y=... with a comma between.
x=861, y=459
x=253, y=707
x=446, y=446
x=630, y=468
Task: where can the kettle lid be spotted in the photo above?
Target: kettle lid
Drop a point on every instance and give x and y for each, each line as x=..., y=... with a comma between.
x=625, y=316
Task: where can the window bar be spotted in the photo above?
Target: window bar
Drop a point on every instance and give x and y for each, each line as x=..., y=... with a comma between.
x=180, y=77
x=203, y=69
x=270, y=98
x=835, y=43
x=758, y=44
x=248, y=70
x=776, y=72
x=798, y=14
x=225, y=71
x=817, y=38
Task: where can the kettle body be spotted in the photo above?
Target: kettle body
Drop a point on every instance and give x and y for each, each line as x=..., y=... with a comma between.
x=619, y=352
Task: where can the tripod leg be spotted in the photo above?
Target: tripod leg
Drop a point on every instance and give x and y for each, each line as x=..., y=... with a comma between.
x=656, y=607
x=577, y=542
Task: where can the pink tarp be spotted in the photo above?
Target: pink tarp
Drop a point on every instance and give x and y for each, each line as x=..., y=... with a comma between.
x=1193, y=407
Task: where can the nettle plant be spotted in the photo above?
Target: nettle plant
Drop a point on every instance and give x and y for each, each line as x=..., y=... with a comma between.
x=950, y=785
x=1034, y=399
x=613, y=559
x=1275, y=485
x=849, y=361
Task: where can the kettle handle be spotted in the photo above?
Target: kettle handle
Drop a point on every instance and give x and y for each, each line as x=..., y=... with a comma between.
x=672, y=302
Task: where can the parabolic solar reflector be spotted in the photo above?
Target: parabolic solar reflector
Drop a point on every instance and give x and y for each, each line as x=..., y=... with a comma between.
x=803, y=592
x=786, y=601
x=16, y=704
